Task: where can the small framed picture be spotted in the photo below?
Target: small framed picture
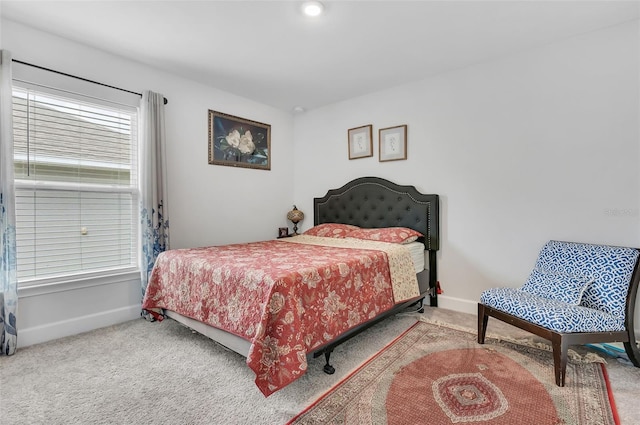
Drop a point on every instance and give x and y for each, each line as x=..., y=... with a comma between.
x=360, y=142
x=283, y=232
x=392, y=143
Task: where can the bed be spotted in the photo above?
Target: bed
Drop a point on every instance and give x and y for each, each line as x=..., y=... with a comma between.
x=278, y=302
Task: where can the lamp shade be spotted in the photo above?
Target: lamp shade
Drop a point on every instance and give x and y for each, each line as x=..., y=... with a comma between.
x=295, y=215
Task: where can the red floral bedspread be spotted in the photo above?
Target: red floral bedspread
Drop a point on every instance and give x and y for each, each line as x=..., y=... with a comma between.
x=285, y=298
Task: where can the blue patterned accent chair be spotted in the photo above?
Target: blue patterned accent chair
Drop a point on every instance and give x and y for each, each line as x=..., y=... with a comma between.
x=576, y=294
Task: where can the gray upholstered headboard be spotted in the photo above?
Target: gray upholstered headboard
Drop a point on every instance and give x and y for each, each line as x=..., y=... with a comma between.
x=374, y=202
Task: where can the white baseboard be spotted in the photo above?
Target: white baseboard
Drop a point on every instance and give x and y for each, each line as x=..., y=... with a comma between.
x=458, y=304
x=77, y=325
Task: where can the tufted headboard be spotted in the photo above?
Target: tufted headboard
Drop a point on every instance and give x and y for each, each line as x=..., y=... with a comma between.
x=374, y=202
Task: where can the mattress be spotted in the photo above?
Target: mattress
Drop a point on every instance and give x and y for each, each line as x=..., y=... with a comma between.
x=416, y=249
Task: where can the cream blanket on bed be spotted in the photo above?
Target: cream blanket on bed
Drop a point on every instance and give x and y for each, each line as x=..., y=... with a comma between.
x=403, y=275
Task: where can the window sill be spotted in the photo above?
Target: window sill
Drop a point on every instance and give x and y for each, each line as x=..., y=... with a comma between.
x=70, y=283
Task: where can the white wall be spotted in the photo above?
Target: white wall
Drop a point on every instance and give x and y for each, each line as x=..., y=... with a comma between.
x=209, y=204
x=537, y=146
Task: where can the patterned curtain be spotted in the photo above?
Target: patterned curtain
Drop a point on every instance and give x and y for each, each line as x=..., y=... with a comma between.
x=8, y=275
x=154, y=214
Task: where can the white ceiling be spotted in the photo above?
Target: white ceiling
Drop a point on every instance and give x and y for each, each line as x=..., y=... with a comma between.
x=269, y=52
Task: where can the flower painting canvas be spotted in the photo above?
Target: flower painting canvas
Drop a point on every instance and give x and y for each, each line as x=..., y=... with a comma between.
x=239, y=142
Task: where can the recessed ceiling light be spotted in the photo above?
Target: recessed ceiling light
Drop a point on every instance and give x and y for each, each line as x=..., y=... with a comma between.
x=312, y=8
x=298, y=109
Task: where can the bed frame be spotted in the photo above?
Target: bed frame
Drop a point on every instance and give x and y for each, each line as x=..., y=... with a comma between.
x=370, y=202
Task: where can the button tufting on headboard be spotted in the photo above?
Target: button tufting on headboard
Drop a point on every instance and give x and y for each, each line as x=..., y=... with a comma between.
x=394, y=206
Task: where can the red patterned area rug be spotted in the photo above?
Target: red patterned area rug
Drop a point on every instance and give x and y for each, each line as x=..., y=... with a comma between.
x=434, y=374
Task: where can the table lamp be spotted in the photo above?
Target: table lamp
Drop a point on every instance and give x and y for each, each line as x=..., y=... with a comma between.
x=295, y=216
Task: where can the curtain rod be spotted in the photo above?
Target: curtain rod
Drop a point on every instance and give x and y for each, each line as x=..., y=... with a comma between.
x=80, y=78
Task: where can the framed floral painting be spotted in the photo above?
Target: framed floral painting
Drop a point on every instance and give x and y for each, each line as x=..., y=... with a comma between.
x=392, y=143
x=360, y=142
x=239, y=142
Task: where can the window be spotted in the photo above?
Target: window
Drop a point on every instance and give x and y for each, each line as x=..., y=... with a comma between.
x=76, y=185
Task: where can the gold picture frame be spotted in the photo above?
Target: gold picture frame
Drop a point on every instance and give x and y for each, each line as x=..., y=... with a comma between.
x=360, y=142
x=239, y=142
x=392, y=143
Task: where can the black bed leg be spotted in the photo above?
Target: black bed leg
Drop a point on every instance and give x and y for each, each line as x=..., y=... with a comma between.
x=328, y=369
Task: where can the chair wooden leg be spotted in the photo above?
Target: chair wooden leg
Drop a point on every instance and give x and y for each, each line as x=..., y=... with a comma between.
x=560, y=349
x=482, y=323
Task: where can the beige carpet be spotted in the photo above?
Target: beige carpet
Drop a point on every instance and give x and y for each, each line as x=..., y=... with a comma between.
x=143, y=373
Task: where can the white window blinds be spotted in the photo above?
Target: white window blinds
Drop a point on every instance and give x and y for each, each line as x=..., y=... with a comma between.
x=76, y=185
